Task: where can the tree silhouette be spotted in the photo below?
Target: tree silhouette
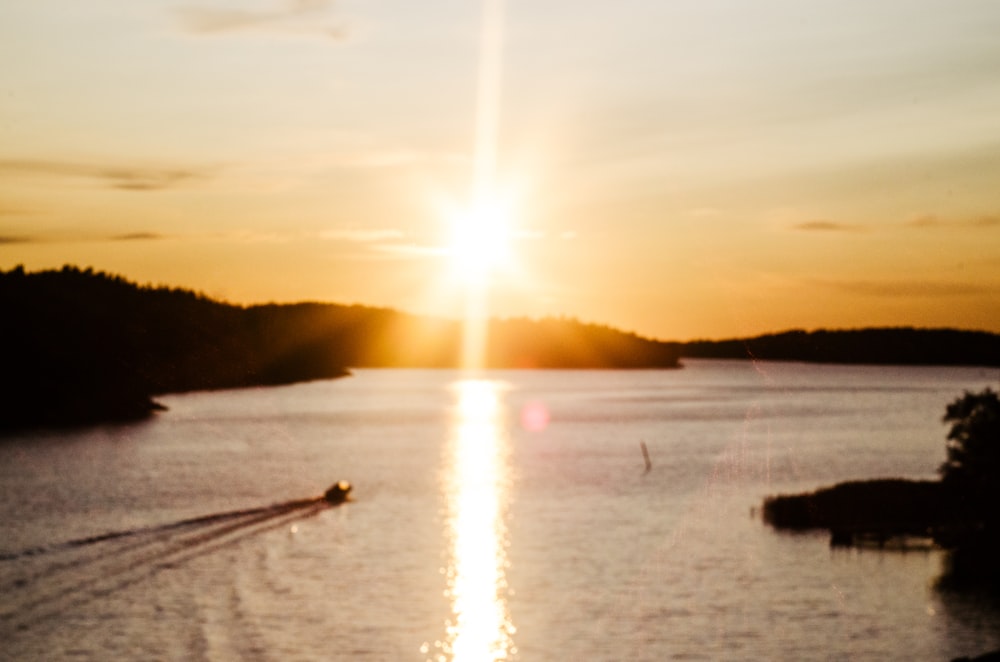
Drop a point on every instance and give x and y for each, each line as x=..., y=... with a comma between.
x=972, y=473
x=973, y=449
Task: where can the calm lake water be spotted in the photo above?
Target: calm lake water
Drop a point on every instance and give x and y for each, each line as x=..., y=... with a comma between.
x=503, y=516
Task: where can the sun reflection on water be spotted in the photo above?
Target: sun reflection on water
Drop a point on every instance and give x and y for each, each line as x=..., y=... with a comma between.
x=480, y=627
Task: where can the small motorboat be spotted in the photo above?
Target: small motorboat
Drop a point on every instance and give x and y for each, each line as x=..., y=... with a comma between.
x=338, y=492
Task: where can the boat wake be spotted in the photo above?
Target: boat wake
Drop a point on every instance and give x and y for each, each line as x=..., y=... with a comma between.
x=40, y=583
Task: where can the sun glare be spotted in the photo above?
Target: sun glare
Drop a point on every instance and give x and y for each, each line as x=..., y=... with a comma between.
x=480, y=628
x=480, y=242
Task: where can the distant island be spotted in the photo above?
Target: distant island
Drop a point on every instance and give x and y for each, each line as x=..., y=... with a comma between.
x=81, y=346
x=878, y=346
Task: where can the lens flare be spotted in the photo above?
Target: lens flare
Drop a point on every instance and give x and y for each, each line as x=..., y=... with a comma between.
x=481, y=235
x=535, y=417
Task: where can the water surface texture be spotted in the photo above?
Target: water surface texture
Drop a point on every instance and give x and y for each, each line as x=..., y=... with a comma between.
x=506, y=515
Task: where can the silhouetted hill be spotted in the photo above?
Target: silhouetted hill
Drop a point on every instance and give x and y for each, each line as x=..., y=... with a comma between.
x=80, y=346
x=884, y=346
x=565, y=343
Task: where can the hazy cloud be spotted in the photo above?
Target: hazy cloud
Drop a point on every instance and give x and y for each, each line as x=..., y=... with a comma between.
x=410, y=250
x=360, y=235
x=286, y=18
x=931, y=221
x=915, y=288
x=373, y=244
x=135, y=179
x=386, y=244
x=131, y=178
x=373, y=239
x=16, y=239
x=76, y=238
x=925, y=222
x=985, y=222
x=139, y=236
x=826, y=226
x=258, y=237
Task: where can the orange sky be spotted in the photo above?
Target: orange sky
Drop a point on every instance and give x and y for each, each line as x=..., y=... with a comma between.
x=680, y=169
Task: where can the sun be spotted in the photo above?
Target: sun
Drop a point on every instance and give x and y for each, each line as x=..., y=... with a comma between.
x=480, y=240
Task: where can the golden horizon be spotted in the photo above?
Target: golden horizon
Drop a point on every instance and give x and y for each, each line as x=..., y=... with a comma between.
x=682, y=176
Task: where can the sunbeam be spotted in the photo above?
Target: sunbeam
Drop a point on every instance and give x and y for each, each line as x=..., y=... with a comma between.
x=481, y=235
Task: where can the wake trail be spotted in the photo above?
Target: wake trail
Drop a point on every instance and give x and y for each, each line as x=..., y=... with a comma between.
x=127, y=533
x=96, y=566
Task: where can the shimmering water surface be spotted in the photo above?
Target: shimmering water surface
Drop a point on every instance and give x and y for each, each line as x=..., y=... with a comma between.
x=506, y=515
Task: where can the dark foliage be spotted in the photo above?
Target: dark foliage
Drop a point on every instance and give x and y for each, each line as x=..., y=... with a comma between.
x=80, y=346
x=992, y=656
x=83, y=347
x=892, y=346
x=890, y=504
x=972, y=469
x=973, y=449
x=959, y=512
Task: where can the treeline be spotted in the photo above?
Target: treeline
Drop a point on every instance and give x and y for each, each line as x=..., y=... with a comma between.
x=82, y=346
x=883, y=346
x=567, y=343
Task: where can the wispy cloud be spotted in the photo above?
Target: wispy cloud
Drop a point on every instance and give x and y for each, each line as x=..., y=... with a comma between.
x=362, y=235
x=290, y=17
x=373, y=243
x=139, y=236
x=826, y=226
x=148, y=180
x=17, y=239
x=404, y=250
x=78, y=238
x=126, y=178
x=383, y=244
x=925, y=222
x=907, y=288
x=931, y=221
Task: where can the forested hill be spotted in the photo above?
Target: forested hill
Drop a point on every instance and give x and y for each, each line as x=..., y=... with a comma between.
x=881, y=346
x=81, y=346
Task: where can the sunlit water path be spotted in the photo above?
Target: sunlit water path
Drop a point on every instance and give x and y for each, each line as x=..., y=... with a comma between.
x=508, y=516
x=477, y=491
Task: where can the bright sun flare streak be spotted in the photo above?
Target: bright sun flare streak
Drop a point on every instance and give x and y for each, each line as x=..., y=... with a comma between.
x=480, y=628
x=481, y=235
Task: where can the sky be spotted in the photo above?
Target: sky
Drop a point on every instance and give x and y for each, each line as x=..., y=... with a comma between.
x=680, y=169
